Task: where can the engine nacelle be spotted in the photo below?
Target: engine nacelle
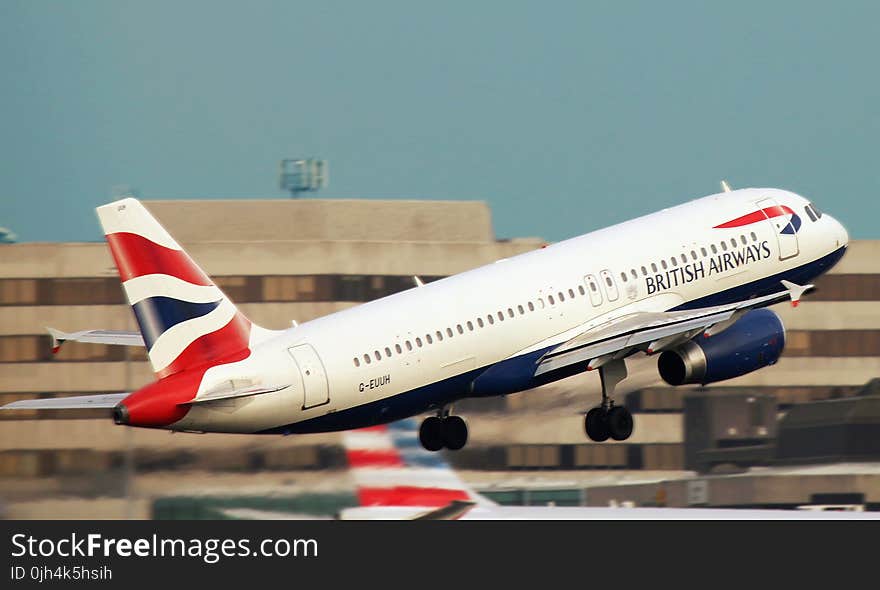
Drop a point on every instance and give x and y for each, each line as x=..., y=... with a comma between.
x=756, y=340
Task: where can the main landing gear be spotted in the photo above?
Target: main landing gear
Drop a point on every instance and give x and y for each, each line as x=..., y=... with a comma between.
x=609, y=421
x=443, y=430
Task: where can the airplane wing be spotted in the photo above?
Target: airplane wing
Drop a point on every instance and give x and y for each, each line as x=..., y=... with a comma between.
x=654, y=331
x=77, y=402
x=118, y=337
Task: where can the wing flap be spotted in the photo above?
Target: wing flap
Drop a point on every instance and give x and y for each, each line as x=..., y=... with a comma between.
x=76, y=402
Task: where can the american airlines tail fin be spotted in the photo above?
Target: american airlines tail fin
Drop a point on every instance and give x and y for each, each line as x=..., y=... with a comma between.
x=185, y=319
x=396, y=478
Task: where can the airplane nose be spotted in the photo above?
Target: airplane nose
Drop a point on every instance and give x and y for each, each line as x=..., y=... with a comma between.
x=840, y=234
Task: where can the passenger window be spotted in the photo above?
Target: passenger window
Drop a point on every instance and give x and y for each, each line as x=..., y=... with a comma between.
x=581, y=290
x=531, y=306
x=418, y=342
x=654, y=266
x=743, y=240
x=510, y=312
x=714, y=249
x=663, y=264
x=398, y=348
x=480, y=322
x=367, y=359
x=387, y=352
x=378, y=355
x=500, y=316
x=470, y=326
x=357, y=363
x=571, y=293
x=449, y=331
x=490, y=318
x=439, y=336
x=459, y=328
x=724, y=246
x=561, y=297
x=540, y=303
x=429, y=339
x=733, y=243
x=623, y=277
x=408, y=345
x=673, y=261
x=644, y=271
x=634, y=274
x=684, y=259
x=550, y=299
x=703, y=252
x=693, y=254
x=520, y=309
x=754, y=237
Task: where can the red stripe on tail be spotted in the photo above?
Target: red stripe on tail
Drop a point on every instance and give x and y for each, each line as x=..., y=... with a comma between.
x=374, y=458
x=409, y=496
x=137, y=256
x=232, y=340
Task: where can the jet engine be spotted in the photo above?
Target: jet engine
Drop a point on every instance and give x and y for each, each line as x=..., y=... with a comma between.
x=756, y=340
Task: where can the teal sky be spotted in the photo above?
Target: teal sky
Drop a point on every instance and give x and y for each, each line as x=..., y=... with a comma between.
x=564, y=116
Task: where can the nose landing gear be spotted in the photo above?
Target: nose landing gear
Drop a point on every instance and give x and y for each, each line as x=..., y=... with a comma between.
x=443, y=431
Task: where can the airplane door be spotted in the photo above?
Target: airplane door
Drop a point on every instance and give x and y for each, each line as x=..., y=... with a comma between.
x=610, y=285
x=594, y=290
x=314, y=378
x=786, y=232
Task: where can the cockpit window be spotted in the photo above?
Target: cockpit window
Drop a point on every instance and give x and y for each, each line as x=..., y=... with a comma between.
x=816, y=211
x=809, y=211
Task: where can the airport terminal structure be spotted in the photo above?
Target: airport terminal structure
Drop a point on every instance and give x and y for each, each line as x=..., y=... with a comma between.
x=800, y=432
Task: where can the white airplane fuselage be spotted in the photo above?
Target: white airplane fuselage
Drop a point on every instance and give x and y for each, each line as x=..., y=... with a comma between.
x=481, y=332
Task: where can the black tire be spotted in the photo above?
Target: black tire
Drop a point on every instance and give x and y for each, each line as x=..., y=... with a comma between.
x=620, y=423
x=431, y=433
x=596, y=425
x=455, y=433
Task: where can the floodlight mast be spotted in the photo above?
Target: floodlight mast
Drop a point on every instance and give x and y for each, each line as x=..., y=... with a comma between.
x=303, y=175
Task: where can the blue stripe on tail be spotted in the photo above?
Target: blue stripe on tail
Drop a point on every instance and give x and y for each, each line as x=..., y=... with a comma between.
x=155, y=315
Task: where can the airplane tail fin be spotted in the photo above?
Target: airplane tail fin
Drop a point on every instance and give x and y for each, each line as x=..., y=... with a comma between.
x=185, y=319
x=395, y=477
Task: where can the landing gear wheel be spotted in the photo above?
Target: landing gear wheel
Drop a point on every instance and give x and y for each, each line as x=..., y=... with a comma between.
x=455, y=433
x=596, y=425
x=620, y=423
x=431, y=433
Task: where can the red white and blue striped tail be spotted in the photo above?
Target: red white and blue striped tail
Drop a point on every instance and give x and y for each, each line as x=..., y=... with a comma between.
x=392, y=470
x=185, y=320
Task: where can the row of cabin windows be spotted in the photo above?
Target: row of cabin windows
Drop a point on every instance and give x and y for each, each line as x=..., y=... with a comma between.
x=684, y=258
x=468, y=326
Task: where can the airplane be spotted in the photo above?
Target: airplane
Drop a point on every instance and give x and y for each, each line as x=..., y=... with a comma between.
x=689, y=284
x=396, y=479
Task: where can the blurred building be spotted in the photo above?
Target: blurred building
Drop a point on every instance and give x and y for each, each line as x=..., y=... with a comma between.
x=284, y=260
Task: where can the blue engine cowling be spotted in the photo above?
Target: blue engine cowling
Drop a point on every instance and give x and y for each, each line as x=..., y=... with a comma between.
x=754, y=341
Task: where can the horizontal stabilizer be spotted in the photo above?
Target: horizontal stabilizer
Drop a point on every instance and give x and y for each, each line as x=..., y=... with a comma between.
x=233, y=393
x=77, y=402
x=118, y=337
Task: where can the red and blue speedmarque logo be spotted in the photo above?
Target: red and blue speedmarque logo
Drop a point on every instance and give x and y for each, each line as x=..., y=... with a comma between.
x=793, y=225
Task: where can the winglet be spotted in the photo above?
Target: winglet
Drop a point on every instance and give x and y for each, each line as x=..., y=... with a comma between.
x=58, y=338
x=795, y=291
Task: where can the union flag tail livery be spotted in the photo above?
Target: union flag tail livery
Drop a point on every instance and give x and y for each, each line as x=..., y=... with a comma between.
x=185, y=320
